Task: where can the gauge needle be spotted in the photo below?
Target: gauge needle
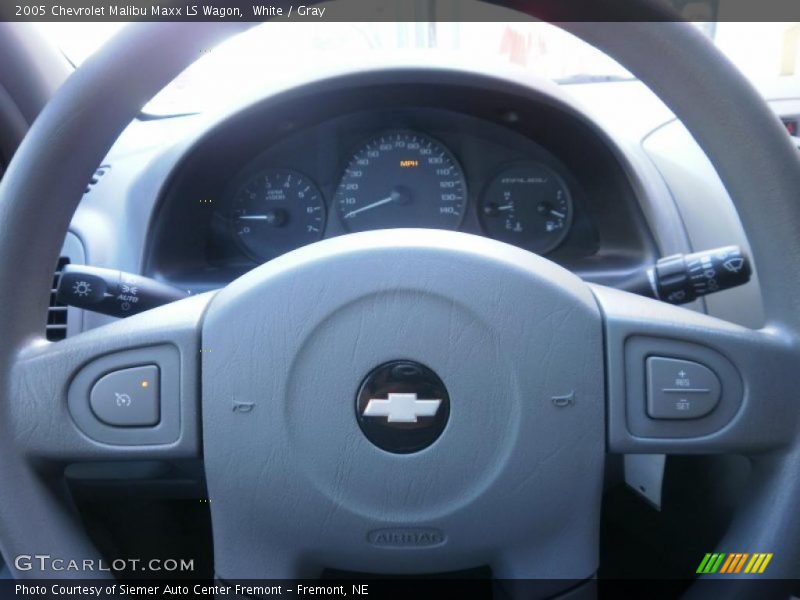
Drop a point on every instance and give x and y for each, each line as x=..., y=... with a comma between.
x=506, y=207
x=275, y=217
x=555, y=213
x=390, y=198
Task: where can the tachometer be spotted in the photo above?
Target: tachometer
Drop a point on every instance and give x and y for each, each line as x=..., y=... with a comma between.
x=401, y=179
x=275, y=211
x=527, y=205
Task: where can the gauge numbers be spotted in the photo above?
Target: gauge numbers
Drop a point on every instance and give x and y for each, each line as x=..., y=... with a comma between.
x=275, y=211
x=401, y=179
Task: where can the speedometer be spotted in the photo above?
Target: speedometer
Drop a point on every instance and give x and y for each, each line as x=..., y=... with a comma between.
x=401, y=179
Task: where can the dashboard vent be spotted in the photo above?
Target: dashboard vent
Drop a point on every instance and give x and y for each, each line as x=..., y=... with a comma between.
x=57, y=313
x=101, y=170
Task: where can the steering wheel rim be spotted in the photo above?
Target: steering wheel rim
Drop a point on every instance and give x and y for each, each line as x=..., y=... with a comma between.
x=106, y=93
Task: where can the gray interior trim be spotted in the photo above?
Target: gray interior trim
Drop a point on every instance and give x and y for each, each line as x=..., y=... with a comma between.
x=644, y=474
x=168, y=428
x=30, y=72
x=74, y=251
x=32, y=69
x=12, y=127
x=638, y=349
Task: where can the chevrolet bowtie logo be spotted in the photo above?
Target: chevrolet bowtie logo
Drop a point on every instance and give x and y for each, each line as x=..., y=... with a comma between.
x=401, y=408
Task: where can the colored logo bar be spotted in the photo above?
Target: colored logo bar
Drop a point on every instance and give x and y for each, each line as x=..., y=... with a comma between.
x=734, y=562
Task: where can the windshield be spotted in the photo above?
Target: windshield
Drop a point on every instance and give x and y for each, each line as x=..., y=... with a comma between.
x=280, y=52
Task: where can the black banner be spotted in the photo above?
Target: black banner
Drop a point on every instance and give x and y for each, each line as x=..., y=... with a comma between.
x=373, y=588
x=399, y=10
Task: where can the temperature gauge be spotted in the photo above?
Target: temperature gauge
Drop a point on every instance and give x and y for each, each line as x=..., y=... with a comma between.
x=527, y=205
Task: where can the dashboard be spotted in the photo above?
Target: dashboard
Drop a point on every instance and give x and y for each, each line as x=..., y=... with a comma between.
x=466, y=153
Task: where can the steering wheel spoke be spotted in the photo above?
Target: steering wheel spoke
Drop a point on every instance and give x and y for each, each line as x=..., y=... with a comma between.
x=128, y=390
x=683, y=382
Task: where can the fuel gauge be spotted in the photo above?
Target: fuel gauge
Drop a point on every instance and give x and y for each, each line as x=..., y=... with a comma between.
x=527, y=205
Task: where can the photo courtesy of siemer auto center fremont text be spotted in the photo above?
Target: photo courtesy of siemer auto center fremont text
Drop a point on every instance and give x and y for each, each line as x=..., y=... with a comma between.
x=400, y=299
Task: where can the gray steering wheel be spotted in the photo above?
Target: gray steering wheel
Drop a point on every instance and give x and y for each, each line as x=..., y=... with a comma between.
x=514, y=479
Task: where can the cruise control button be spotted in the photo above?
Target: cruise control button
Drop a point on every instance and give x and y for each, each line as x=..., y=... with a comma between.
x=680, y=389
x=128, y=397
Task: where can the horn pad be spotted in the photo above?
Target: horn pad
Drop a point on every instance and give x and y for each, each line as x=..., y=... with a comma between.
x=505, y=472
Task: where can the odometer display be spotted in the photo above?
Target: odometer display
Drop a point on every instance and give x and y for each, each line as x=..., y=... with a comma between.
x=401, y=179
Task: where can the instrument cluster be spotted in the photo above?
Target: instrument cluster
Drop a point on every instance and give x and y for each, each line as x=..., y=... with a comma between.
x=397, y=178
x=410, y=148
